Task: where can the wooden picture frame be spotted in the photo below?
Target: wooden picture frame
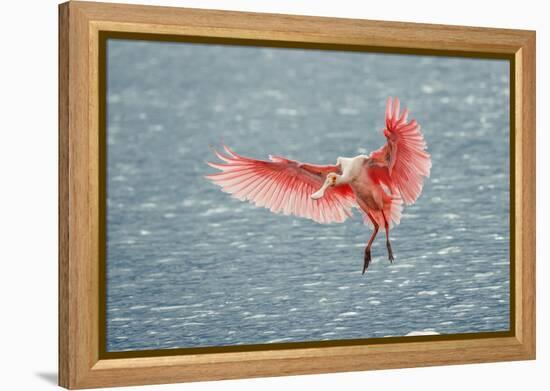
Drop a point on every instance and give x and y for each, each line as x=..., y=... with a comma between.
x=82, y=364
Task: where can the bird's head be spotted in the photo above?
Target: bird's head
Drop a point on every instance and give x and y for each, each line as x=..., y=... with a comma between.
x=331, y=180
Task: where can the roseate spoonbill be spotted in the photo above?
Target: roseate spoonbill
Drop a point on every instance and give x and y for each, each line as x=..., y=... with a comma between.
x=377, y=184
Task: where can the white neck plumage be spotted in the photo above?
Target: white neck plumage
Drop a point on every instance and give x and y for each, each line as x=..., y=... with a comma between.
x=350, y=169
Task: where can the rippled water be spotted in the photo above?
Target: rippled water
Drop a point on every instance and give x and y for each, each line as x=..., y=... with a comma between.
x=189, y=266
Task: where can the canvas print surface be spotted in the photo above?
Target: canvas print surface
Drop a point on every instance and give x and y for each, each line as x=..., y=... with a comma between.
x=284, y=252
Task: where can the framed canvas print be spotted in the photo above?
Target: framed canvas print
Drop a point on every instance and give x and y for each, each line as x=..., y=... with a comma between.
x=248, y=195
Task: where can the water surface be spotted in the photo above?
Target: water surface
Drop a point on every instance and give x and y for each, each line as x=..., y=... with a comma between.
x=189, y=266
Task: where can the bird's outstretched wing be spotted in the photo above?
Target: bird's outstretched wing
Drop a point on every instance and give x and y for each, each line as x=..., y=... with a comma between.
x=402, y=163
x=283, y=186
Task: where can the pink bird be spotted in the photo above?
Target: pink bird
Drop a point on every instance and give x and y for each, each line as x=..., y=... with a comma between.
x=377, y=184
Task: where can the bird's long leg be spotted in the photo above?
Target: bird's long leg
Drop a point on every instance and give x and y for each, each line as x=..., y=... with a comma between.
x=388, y=244
x=369, y=244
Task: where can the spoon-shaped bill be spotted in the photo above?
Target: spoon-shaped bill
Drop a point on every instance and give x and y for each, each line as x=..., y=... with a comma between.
x=321, y=192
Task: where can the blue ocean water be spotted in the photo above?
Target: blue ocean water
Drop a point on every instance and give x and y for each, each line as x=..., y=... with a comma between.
x=189, y=266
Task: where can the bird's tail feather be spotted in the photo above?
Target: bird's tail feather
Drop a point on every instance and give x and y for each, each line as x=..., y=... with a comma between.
x=392, y=211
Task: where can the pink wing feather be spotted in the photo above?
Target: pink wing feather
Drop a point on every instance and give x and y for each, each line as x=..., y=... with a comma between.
x=283, y=186
x=402, y=163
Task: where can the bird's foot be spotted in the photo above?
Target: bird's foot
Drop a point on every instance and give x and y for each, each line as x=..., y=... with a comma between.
x=366, y=260
x=390, y=252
